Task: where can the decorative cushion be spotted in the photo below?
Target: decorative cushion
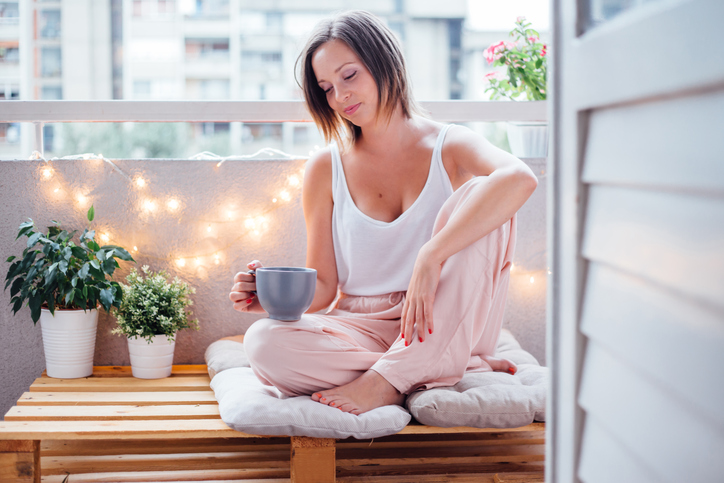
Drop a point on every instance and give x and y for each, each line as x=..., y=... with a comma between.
x=486, y=399
x=245, y=404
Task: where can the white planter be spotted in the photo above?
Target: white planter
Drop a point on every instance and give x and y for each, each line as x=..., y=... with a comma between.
x=69, y=340
x=528, y=139
x=152, y=360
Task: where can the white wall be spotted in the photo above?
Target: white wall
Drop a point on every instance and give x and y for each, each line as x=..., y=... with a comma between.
x=219, y=197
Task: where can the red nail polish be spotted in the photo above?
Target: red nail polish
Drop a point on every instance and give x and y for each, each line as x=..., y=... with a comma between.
x=324, y=399
x=403, y=335
x=420, y=339
x=429, y=330
x=248, y=301
x=331, y=404
x=406, y=343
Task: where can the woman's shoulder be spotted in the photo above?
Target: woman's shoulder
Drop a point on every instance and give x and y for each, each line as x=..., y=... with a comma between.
x=318, y=168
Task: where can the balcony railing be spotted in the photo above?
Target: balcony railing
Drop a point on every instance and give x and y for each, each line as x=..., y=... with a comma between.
x=40, y=112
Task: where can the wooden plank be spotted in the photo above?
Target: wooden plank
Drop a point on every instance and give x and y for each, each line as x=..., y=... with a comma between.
x=427, y=469
x=644, y=325
x=176, y=370
x=91, y=413
x=439, y=478
x=181, y=398
x=154, y=430
x=115, y=384
x=312, y=460
x=604, y=459
x=648, y=149
x=20, y=461
x=420, y=429
x=59, y=465
x=519, y=478
x=663, y=433
x=391, y=452
x=170, y=446
x=671, y=239
x=259, y=475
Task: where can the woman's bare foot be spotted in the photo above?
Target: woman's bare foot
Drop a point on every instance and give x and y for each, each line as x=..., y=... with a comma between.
x=367, y=392
x=500, y=365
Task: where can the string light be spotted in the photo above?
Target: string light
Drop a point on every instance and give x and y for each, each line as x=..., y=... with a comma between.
x=255, y=225
x=532, y=279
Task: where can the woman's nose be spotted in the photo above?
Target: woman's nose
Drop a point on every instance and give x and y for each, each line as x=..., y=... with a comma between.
x=341, y=95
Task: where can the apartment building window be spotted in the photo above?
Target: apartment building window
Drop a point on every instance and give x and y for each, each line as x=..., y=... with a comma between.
x=51, y=93
x=153, y=8
x=50, y=62
x=206, y=8
x=207, y=49
x=9, y=53
x=10, y=133
x=50, y=24
x=9, y=12
x=9, y=91
x=251, y=59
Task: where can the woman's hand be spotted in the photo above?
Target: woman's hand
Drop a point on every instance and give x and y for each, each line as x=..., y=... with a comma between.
x=417, y=311
x=242, y=292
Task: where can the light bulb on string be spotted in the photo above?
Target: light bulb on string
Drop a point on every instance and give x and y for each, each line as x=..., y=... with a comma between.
x=208, y=229
x=105, y=238
x=274, y=200
x=532, y=279
x=173, y=204
x=217, y=258
x=149, y=206
x=181, y=262
x=135, y=248
x=284, y=195
x=140, y=182
x=47, y=173
x=293, y=181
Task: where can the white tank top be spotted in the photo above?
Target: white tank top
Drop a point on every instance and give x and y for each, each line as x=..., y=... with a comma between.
x=375, y=257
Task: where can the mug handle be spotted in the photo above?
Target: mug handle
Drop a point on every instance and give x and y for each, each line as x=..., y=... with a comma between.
x=252, y=272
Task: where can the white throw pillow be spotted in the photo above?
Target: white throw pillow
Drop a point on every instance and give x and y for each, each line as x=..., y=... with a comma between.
x=249, y=406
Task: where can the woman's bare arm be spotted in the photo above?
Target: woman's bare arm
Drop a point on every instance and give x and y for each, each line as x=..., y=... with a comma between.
x=508, y=184
x=318, y=204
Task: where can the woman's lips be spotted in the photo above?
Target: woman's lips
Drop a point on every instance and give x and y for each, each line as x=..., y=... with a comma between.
x=352, y=109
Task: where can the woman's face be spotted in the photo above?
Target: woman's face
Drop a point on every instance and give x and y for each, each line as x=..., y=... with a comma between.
x=350, y=88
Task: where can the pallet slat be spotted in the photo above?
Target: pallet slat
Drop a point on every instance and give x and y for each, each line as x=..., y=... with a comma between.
x=101, y=413
x=110, y=384
x=181, y=398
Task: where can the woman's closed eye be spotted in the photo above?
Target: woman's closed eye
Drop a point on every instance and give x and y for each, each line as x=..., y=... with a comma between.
x=350, y=76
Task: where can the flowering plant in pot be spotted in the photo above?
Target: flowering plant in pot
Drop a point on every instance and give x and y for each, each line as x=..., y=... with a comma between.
x=152, y=311
x=526, y=61
x=64, y=282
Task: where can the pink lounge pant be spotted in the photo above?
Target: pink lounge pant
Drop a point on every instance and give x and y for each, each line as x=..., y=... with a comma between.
x=323, y=351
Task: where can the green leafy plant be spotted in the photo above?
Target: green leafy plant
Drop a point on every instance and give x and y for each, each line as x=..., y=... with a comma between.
x=527, y=65
x=153, y=306
x=58, y=273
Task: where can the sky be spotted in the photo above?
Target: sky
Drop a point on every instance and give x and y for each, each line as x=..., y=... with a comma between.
x=501, y=14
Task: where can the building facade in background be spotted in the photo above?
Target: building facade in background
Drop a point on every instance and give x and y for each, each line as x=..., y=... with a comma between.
x=206, y=50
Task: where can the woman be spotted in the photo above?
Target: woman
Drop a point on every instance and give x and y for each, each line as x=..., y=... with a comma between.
x=410, y=226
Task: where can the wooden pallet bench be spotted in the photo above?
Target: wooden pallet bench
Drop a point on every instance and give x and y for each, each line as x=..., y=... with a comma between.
x=113, y=427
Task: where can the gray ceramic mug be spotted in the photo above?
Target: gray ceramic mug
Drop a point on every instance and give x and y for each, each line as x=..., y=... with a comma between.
x=285, y=292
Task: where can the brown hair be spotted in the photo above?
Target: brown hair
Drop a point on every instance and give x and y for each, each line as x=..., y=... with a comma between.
x=378, y=49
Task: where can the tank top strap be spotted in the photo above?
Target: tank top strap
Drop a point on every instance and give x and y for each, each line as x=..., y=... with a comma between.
x=437, y=160
x=338, y=180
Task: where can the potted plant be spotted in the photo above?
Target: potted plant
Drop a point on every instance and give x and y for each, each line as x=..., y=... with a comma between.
x=527, y=70
x=152, y=311
x=64, y=282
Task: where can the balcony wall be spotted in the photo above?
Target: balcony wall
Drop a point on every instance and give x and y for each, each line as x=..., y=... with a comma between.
x=210, y=231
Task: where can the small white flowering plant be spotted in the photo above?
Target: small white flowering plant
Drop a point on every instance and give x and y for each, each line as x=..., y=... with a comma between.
x=154, y=306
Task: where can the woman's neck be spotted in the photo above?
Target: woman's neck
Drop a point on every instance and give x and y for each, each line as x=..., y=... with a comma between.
x=381, y=136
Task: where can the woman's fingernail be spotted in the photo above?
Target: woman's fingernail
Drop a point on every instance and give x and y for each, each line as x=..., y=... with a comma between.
x=317, y=394
x=420, y=339
x=429, y=330
x=248, y=301
x=406, y=343
x=403, y=335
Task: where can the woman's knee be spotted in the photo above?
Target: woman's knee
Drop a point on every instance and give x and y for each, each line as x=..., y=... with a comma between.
x=258, y=341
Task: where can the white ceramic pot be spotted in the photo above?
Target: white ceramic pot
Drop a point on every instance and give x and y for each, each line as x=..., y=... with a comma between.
x=69, y=340
x=151, y=360
x=528, y=139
